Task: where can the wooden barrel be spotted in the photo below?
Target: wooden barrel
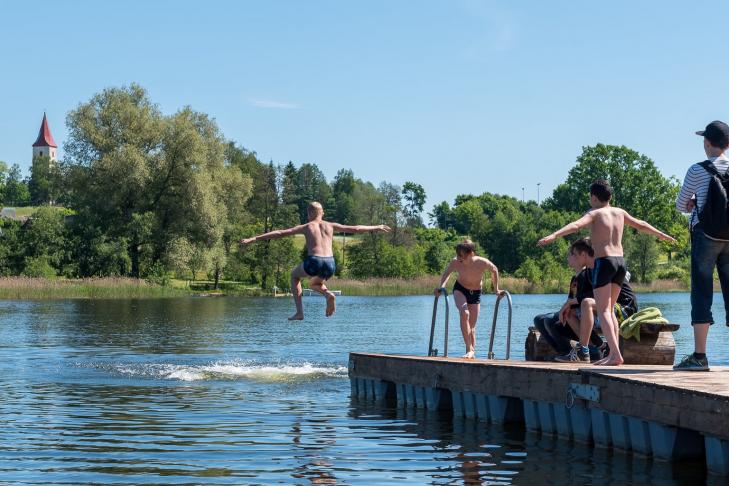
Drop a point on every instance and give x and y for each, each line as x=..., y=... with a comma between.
x=656, y=346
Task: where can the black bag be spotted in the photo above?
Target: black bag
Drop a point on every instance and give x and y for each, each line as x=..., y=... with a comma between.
x=714, y=216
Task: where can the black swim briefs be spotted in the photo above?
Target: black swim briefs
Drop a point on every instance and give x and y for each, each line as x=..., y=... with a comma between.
x=608, y=270
x=322, y=267
x=472, y=296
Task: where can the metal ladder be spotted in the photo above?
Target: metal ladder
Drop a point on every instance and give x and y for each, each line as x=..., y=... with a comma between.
x=431, y=351
x=503, y=294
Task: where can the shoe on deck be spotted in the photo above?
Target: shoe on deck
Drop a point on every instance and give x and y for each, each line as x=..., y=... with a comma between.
x=692, y=363
x=574, y=356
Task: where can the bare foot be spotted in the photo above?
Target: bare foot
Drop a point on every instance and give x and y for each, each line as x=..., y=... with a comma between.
x=331, y=304
x=609, y=361
x=469, y=355
x=297, y=317
x=613, y=362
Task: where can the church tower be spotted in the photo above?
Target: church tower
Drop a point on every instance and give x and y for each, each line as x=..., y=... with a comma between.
x=45, y=146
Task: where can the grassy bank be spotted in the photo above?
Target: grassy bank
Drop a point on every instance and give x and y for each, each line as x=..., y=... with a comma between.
x=127, y=288
x=93, y=288
x=425, y=285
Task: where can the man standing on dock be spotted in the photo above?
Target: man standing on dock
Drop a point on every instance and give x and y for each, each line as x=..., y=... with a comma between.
x=701, y=195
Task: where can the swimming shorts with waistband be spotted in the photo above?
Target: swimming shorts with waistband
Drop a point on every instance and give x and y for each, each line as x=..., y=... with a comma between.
x=322, y=267
x=472, y=296
x=607, y=270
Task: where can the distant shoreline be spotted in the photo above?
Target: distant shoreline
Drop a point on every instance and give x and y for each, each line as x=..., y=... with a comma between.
x=24, y=288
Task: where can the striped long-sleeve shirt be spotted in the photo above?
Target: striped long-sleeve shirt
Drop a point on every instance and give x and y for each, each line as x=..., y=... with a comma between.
x=697, y=182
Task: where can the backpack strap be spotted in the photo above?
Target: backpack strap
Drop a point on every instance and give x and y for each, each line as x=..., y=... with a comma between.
x=709, y=167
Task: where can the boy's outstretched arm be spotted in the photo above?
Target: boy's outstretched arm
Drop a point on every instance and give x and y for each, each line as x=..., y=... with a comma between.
x=344, y=228
x=641, y=225
x=444, y=278
x=568, y=229
x=272, y=235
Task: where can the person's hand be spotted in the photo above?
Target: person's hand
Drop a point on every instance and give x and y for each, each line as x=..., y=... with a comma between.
x=437, y=291
x=383, y=228
x=498, y=291
x=247, y=241
x=668, y=238
x=563, y=314
x=546, y=240
x=691, y=205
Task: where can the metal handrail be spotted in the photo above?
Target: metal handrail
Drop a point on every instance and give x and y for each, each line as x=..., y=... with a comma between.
x=503, y=294
x=431, y=351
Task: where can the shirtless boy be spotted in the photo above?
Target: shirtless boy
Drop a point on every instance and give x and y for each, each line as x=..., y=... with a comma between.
x=319, y=266
x=606, y=232
x=467, y=289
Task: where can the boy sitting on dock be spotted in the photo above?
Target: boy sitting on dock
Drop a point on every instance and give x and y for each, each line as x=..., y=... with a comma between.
x=606, y=232
x=319, y=265
x=467, y=289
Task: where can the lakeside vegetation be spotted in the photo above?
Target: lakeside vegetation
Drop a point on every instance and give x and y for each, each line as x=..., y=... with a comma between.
x=27, y=288
x=165, y=199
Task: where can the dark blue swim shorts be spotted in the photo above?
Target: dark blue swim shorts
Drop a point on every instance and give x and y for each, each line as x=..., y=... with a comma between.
x=322, y=267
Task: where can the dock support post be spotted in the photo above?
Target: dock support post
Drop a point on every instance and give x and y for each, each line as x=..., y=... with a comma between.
x=457, y=403
x=505, y=409
x=482, y=407
x=619, y=431
x=717, y=455
x=581, y=422
x=469, y=404
x=640, y=436
x=674, y=443
x=546, y=417
x=600, y=428
x=562, y=420
x=531, y=415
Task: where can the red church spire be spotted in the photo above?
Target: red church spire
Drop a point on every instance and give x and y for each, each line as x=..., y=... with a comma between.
x=45, y=139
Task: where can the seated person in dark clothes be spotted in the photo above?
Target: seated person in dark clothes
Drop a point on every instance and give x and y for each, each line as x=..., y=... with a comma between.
x=553, y=328
x=581, y=316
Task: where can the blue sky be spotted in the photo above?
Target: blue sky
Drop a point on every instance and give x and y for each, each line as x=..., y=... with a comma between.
x=459, y=96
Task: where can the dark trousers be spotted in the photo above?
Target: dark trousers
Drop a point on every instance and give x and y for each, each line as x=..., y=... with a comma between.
x=559, y=336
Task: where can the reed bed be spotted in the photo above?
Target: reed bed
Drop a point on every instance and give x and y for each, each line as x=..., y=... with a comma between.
x=89, y=288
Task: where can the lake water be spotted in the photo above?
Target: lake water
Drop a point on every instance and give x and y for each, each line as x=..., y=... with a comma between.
x=227, y=391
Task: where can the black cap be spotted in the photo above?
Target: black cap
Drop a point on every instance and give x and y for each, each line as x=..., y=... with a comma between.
x=717, y=133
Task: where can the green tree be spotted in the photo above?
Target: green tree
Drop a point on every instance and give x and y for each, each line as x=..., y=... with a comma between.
x=15, y=191
x=414, y=196
x=638, y=185
x=45, y=181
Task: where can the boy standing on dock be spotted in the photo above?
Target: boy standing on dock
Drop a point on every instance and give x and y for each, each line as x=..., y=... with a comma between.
x=606, y=233
x=319, y=265
x=467, y=289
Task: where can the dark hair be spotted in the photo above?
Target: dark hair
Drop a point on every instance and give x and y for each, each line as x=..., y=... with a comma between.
x=465, y=247
x=601, y=189
x=583, y=245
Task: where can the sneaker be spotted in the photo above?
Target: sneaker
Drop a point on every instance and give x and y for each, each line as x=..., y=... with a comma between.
x=692, y=363
x=574, y=356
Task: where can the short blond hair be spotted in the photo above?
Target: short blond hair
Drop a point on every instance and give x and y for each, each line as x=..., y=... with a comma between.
x=314, y=209
x=465, y=247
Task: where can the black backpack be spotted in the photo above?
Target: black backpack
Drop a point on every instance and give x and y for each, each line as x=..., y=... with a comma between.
x=714, y=216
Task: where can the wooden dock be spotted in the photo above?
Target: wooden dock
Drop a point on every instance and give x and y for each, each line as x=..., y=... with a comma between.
x=646, y=409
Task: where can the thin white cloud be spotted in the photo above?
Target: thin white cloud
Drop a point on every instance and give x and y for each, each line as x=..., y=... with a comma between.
x=278, y=105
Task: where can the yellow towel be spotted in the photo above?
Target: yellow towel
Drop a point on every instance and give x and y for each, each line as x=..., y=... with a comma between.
x=630, y=327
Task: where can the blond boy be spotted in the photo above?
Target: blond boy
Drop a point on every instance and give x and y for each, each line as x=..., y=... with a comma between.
x=319, y=265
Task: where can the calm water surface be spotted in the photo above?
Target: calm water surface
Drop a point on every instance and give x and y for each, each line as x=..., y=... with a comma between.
x=226, y=391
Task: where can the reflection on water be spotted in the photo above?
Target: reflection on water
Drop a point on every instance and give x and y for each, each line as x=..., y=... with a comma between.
x=226, y=391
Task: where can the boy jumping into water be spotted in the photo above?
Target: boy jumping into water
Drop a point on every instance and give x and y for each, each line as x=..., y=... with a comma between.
x=606, y=232
x=319, y=266
x=467, y=289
